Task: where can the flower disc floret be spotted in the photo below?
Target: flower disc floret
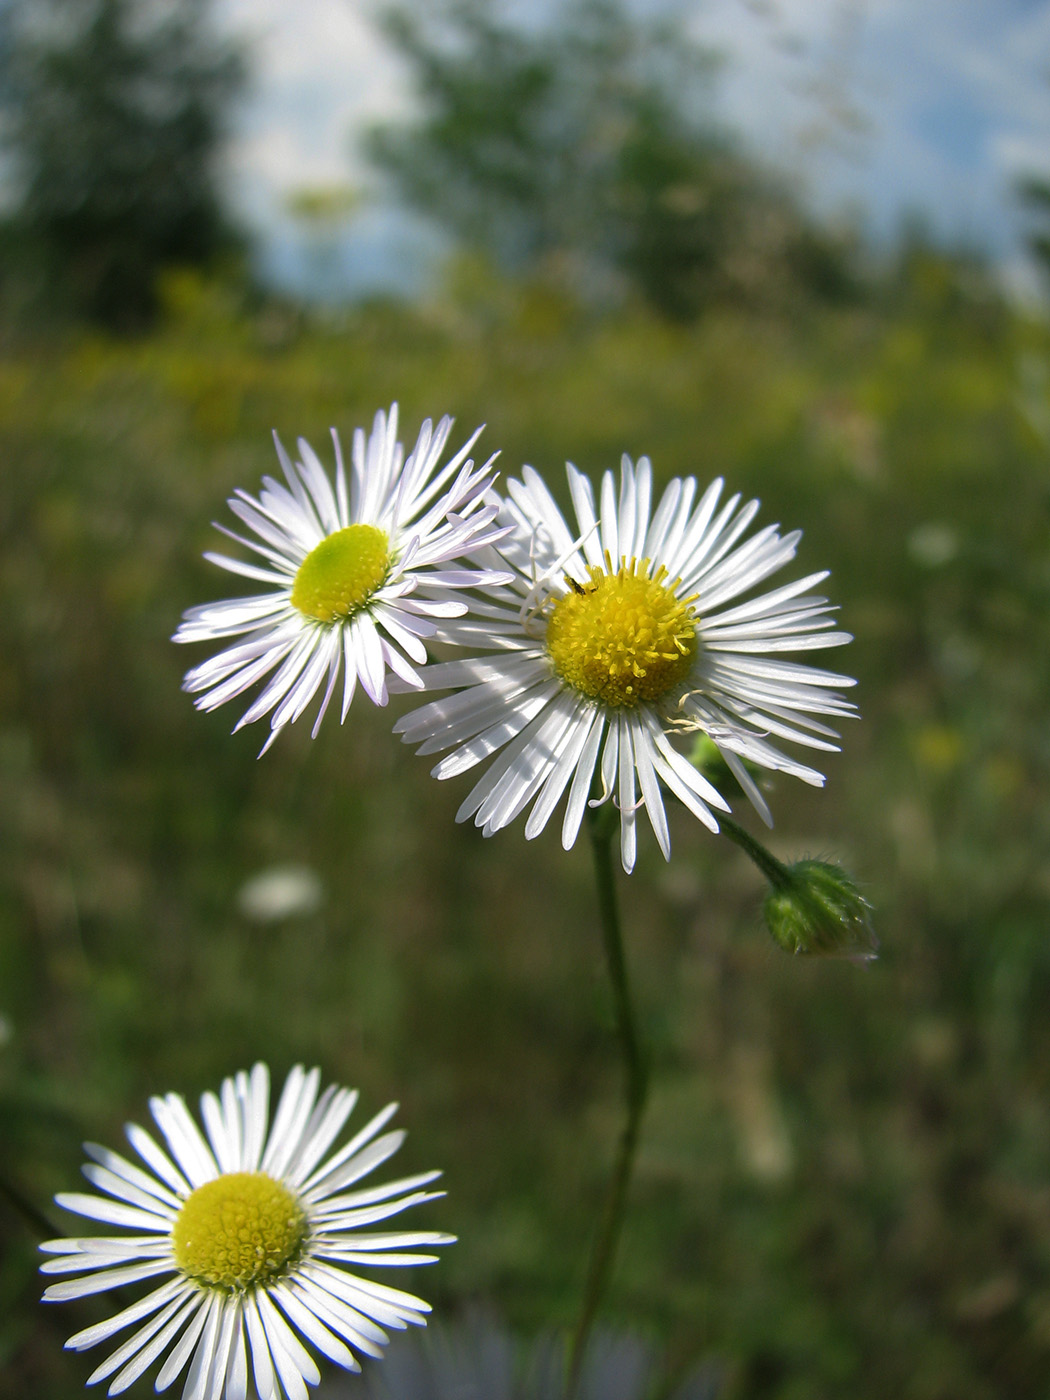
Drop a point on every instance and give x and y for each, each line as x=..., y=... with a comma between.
x=339, y=575
x=623, y=638
x=241, y=1229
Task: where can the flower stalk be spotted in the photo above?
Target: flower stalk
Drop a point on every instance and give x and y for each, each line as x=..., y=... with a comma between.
x=602, y=827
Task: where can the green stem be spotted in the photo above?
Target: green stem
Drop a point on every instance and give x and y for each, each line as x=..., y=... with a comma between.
x=602, y=827
x=774, y=870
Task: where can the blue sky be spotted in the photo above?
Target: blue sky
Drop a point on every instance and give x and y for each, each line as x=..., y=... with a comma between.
x=879, y=108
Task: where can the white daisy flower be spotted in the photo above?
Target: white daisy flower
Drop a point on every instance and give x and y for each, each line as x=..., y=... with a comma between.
x=617, y=635
x=355, y=573
x=250, y=1232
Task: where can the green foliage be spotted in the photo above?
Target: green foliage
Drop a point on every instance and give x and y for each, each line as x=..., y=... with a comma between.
x=584, y=146
x=115, y=112
x=842, y=1181
x=1035, y=198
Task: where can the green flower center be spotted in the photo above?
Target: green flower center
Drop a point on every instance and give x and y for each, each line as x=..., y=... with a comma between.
x=338, y=576
x=623, y=638
x=239, y=1230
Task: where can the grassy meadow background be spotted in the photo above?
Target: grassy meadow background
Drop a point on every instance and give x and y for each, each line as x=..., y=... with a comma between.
x=844, y=1184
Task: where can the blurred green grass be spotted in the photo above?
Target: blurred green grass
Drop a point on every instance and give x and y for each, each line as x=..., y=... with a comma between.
x=844, y=1186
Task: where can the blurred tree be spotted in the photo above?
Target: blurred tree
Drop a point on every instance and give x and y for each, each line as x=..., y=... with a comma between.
x=586, y=144
x=115, y=112
x=1034, y=192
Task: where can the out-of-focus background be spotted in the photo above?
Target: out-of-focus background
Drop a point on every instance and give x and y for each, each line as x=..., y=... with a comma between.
x=801, y=243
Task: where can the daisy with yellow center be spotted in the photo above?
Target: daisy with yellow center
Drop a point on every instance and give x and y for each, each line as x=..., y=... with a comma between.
x=358, y=574
x=250, y=1231
x=614, y=638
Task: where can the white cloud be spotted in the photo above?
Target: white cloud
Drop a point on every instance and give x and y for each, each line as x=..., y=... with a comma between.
x=321, y=72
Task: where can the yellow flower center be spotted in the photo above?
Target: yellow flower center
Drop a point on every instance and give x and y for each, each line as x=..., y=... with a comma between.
x=241, y=1229
x=623, y=638
x=340, y=574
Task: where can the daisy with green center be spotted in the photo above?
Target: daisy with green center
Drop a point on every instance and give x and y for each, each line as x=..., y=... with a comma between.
x=617, y=636
x=358, y=574
x=251, y=1232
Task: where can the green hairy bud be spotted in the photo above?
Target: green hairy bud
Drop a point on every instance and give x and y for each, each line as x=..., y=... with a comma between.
x=815, y=908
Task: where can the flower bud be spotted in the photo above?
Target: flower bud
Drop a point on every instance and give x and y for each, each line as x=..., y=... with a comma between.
x=817, y=909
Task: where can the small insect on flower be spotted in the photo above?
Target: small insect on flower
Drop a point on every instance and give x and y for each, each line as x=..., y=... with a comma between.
x=357, y=573
x=614, y=638
x=251, y=1232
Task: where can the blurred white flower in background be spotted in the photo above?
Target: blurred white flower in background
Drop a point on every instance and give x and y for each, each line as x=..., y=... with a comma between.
x=280, y=892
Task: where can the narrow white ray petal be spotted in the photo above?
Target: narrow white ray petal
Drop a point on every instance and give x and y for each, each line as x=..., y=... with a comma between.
x=519, y=725
x=610, y=760
x=334, y=1216
x=315, y=479
x=328, y=1177
x=350, y=1324
x=562, y=769
x=749, y=785
x=650, y=790
x=262, y=1366
x=254, y=1093
x=311, y=1326
x=184, y=1138
x=177, y=1308
x=643, y=491
x=671, y=547
x=284, y=561
x=358, y=1165
x=200, y=1367
x=102, y=1282
x=322, y=1131
x=154, y=1156
x=533, y=765
x=625, y=516
x=625, y=796
x=370, y=668
x=373, y=1194
x=123, y=1189
x=586, y=518
x=291, y=1379
x=293, y=1113
x=341, y=497
x=377, y=1292
x=279, y=1334
x=289, y=672
x=395, y=1310
x=653, y=545
x=349, y=670
x=690, y=775
x=180, y=1353
x=237, y=1376
x=220, y=1361
x=335, y=652
x=101, y=1258
x=132, y=1173
x=581, y=781
x=246, y=570
x=393, y=622
x=233, y=1123
x=306, y=685
x=146, y=1357
x=101, y=1331
x=226, y=1152
x=133, y=1218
